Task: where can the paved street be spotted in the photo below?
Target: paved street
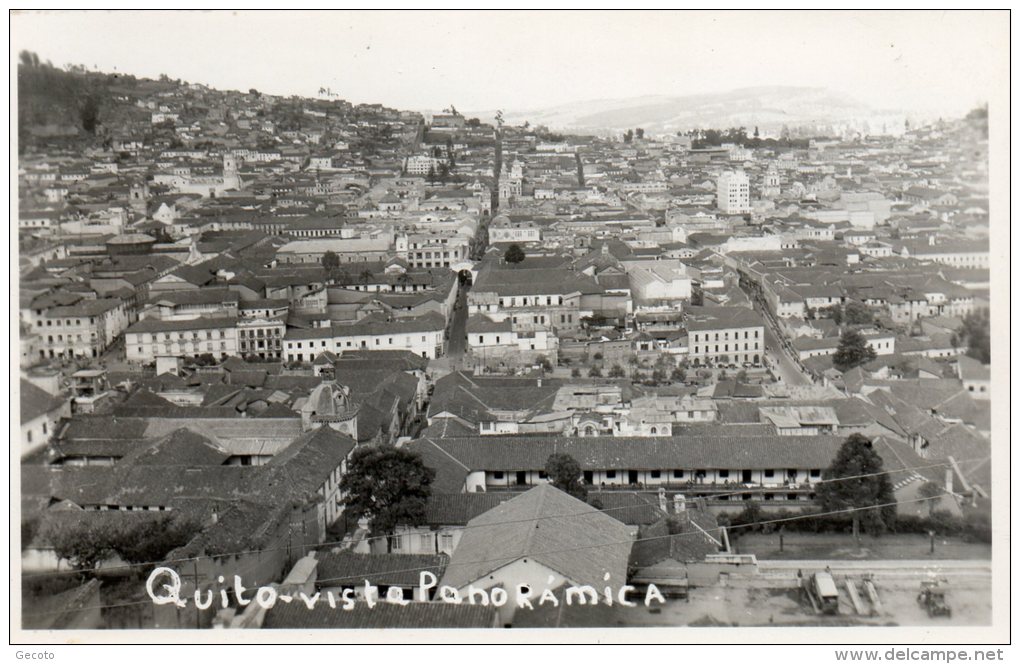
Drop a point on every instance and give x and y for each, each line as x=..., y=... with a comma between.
x=458, y=328
x=784, y=367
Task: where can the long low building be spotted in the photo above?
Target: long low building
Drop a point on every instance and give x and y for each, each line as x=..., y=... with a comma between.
x=423, y=335
x=759, y=462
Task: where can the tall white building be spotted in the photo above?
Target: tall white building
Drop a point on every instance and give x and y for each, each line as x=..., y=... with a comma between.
x=733, y=194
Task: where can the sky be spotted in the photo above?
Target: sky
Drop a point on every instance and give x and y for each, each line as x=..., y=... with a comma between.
x=935, y=61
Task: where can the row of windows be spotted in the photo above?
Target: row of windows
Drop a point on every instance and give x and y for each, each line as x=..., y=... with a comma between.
x=680, y=473
x=60, y=337
x=182, y=336
x=311, y=344
x=527, y=301
x=67, y=322
x=184, y=347
x=261, y=333
x=726, y=336
x=726, y=348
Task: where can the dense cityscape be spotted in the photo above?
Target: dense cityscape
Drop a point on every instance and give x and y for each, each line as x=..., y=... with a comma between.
x=407, y=362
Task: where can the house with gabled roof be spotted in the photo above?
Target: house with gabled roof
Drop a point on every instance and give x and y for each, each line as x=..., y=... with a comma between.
x=543, y=538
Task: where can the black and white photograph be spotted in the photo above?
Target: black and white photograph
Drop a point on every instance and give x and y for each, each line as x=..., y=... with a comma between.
x=511, y=326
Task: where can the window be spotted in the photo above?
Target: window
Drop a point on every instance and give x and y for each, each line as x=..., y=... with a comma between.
x=815, y=472
x=678, y=474
x=498, y=475
x=656, y=474
x=724, y=474
x=611, y=474
x=425, y=541
x=770, y=473
x=396, y=543
x=446, y=541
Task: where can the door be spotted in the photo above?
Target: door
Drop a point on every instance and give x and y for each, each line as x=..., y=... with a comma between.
x=747, y=477
x=632, y=476
x=589, y=477
x=522, y=477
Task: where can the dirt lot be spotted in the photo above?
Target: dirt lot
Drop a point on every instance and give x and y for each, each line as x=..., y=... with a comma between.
x=969, y=599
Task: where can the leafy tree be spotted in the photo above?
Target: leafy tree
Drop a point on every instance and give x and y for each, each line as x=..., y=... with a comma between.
x=150, y=540
x=976, y=333
x=857, y=313
x=628, y=136
x=678, y=375
x=575, y=372
x=858, y=486
x=594, y=372
x=932, y=493
x=514, y=254
x=616, y=371
x=84, y=543
x=331, y=263
x=565, y=474
x=853, y=351
x=389, y=486
x=658, y=376
x=640, y=133
x=833, y=312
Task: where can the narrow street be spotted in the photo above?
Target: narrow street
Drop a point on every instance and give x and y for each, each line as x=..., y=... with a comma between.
x=787, y=370
x=458, y=328
x=784, y=367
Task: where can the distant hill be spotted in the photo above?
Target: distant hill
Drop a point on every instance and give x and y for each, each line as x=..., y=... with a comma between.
x=73, y=103
x=767, y=107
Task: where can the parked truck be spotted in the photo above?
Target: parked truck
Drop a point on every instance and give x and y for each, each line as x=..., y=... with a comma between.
x=823, y=588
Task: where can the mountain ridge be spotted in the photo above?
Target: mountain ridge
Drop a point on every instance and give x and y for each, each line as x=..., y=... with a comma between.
x=768, y=106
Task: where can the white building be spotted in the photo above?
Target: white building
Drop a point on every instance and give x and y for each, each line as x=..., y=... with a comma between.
x=726, y=335
x=733, y=193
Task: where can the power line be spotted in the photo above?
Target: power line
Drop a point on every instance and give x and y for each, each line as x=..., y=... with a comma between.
x=468, y=526
x=562, y=550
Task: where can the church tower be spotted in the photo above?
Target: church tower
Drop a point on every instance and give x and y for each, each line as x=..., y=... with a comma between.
x=770, y=184
x=230, y=177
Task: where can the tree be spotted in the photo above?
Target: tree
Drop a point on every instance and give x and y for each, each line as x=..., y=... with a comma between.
x=594, y=372
x=975, y=332
x=857, y=313
x=853, y=351
x=932, y=493
x=82, y=543
x=330, y=262
x=640, y=133
x=854, y=482
x=628, y=136
x=616, y=371
x=833, y=312
x=150, y=540
x=565, y=474
x=387, y=485
x=514, y=254
x=575, y=372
